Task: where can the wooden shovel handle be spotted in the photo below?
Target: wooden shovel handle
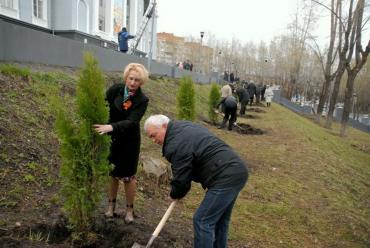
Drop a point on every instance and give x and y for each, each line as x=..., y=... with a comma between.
x=164, y=219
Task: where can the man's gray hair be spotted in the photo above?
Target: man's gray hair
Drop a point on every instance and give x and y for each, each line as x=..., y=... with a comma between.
x=156, y=120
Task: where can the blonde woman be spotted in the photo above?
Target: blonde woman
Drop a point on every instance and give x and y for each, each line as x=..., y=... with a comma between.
x=127, y=105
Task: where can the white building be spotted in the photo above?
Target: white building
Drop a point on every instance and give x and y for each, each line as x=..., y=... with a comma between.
x=102, y=18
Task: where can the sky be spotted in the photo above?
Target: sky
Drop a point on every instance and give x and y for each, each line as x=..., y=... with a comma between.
x=245, y=20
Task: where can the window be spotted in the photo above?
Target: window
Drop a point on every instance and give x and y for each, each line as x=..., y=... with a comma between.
x=7, y=3
x=101, y=23
x=102, y=15
x=38, y=8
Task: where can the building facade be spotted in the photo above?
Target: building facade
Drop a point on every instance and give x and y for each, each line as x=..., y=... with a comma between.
x=170, y=48
x=99, y=18
x=173, y=49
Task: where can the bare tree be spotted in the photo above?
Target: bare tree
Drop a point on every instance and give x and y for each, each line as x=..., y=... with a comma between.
x=350, y=35
x=299, y=36
x=330, y=56
x=362, y=88
x=344, y=38
x=359, y=61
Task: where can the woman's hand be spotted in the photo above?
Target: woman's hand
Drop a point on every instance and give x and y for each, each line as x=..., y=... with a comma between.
x=102, y=129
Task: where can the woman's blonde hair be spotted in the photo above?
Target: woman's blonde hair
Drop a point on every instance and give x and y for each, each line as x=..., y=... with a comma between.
x=139, y=68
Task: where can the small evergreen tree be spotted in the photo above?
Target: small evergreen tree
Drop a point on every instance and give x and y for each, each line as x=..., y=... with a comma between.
x=84, y=170
x=186, y=100
x=214, y=97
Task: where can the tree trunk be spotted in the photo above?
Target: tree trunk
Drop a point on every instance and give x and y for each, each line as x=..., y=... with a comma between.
x=329, y=61
x=347, y=102
x=323, y=97
x=334, y=95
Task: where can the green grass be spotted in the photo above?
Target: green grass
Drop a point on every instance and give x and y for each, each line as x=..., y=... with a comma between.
x=308, y=187
x=11, y=70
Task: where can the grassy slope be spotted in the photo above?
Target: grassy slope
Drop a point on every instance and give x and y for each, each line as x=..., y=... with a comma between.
x=307, y=187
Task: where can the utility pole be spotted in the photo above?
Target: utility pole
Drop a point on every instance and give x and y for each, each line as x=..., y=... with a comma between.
x=200, y=49
x=150, y=54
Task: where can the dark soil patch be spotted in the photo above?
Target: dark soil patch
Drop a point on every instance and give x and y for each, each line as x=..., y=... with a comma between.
x=248, y=116
x=106, y=232
x=240, y=128
x=257, y=110
x=243, y=128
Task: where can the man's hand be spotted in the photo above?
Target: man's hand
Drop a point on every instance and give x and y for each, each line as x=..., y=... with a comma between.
x=216, y=111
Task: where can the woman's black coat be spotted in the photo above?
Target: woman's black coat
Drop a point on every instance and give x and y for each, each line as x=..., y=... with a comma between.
x=125, y=136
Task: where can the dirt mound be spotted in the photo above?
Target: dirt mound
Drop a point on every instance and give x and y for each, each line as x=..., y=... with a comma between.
x=243, y=128
x=240, y=128
x=106, y=232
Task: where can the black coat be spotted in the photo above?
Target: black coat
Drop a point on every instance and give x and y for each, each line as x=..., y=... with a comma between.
x=243, y=95
x=198, y=155
x=125, y=145
x=251, y=89
x=229, y=102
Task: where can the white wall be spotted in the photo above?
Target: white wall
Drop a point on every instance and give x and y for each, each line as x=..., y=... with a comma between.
x=11, y=12
x=62, y=14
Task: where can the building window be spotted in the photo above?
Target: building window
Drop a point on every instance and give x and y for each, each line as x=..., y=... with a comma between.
x=101, y=23
x=101, y=15
x=7, y=3
x=38, y=8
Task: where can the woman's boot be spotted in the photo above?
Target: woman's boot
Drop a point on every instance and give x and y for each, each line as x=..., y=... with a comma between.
x=111, y=207
x=129, y=214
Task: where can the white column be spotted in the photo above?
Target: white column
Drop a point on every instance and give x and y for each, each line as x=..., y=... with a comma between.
x=94, y=11
x=124, y=8
x=109, y=19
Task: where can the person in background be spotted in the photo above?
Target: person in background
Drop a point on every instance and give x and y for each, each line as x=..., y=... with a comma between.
x=226, y=76
x=263, y=89
x=226, y=91
x=269, y=94
x=123, y=38
x=230, y=106
x=232, y=78
x=243, y=96
x=251, y=87
x=198, y=155
x=258, y=94
x=127, y=105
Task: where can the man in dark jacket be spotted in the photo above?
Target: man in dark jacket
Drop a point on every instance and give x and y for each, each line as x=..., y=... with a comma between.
x=123, y=38
x=252, y=91
x=232, y=79
x=243, y=96
x=197, y=155
x=229, y=105
x=263, y=89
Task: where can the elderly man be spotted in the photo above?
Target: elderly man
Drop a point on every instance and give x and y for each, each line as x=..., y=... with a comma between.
x=197, y=155
x=226, y=91
x=230, y=106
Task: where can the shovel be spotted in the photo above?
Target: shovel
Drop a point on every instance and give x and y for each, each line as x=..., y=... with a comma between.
x=158, y=228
